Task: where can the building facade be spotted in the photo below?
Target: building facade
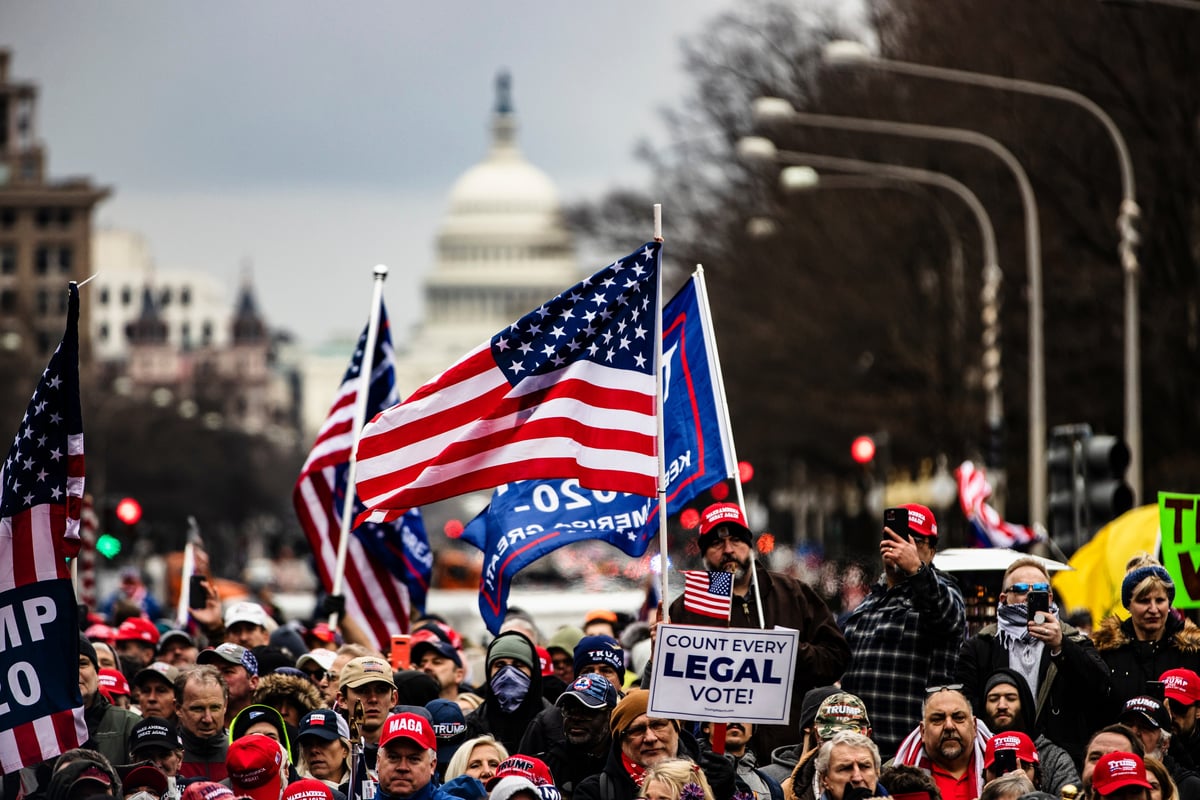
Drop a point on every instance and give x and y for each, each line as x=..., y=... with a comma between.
x=45, y=230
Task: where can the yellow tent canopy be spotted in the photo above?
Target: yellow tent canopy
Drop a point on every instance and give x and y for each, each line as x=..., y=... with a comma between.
x=1099, y=566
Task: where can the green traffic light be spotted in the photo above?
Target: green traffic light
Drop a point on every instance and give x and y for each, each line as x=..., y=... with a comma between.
x=108, y=546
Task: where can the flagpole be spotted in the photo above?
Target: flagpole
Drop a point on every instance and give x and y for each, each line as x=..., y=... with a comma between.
x=662, y=436
x=715, y=354
x=360, y=419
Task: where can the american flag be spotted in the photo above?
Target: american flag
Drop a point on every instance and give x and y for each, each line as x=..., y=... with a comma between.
x=567, y=391
x=41, y=491
x=708, y=593
x=990, y=528
x=387, y=565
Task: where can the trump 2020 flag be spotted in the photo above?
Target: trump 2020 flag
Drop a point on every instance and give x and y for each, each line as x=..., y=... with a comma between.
x=708, y=593
x=567, y=391
x=41, y=494
x=388, y=564
x=990, y=528
x=528, y=519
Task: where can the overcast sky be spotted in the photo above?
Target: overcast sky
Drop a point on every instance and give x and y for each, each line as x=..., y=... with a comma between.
x=318, y=139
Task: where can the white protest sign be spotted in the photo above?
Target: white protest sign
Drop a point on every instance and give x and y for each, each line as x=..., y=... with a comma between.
x=721, y=674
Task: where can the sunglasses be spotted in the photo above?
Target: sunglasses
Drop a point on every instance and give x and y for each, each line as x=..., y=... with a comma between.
x=947, y=687
x=1026, y=588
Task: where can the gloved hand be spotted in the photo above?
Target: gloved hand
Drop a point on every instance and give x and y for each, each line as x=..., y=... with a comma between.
x=721, y=773
x=333, y=604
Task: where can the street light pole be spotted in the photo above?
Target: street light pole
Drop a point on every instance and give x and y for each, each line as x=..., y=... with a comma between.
x=775, y=109
x=851, y=53
x=803, y=176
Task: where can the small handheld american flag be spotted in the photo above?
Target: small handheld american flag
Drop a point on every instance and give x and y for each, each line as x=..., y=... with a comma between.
x=708, y=593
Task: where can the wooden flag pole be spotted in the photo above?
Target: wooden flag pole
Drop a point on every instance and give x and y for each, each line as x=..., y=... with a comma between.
x=360, y=419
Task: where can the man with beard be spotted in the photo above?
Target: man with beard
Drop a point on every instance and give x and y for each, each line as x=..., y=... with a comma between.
x=906, y=635
x=1006, y=696
x=725, y=545
x=1182, y=690
x=640, y=741
x=585, y=707
x=1061, y=666
x=1152, y=723
x=948, y=744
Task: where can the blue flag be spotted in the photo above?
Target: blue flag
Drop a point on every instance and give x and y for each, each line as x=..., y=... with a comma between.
x=528, y=519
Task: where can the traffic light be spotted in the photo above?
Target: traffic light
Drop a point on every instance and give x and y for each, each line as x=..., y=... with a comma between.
x=1064, y=471
x=1087, y=484
x=129, y=511
x=1108, y=495
x=862, y=450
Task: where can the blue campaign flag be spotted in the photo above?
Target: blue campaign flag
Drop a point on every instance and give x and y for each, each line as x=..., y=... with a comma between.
x=528, y=519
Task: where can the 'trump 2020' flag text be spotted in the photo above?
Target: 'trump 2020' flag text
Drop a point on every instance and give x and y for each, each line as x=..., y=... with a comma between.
x=41, y=494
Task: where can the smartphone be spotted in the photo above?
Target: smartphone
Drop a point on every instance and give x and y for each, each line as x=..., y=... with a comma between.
x=198, y=592
x=1035, y=602
x=1004, y=761
x=399, y=655
x=897, y=520
x=1157, y=690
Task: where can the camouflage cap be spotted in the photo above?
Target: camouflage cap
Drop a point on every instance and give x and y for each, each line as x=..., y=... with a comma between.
x=841, y=712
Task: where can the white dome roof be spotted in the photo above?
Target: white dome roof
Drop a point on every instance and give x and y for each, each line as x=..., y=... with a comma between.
x=505, y=182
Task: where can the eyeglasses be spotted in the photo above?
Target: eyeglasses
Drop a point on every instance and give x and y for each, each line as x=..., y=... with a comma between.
x=1026, y=588
x=658, y=726
x=317, y=675
x=946, y=687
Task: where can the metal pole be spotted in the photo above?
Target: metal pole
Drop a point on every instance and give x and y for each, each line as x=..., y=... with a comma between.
x=770, y=107
x=1126, y=217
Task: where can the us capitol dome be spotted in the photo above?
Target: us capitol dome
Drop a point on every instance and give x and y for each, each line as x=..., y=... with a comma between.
x=503, y=249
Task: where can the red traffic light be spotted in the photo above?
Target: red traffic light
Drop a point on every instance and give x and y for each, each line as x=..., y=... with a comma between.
x=862, y=449
x=129, y=511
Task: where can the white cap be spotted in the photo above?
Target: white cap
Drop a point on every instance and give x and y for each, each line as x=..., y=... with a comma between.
x=322, y=658
x=249, y=612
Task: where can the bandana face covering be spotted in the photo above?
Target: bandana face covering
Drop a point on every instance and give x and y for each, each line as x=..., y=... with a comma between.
x=510, y=685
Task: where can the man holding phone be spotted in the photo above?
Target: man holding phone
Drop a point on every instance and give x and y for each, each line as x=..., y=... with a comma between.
x=1029, y=638
x=906, y=635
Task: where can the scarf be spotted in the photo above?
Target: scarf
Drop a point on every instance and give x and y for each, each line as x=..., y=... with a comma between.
x=635, y=771
x=912, y=753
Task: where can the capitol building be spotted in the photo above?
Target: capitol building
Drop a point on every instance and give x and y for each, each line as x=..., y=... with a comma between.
x=502, y=250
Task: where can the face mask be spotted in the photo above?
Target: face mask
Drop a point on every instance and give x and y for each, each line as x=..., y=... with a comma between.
x=510, y=686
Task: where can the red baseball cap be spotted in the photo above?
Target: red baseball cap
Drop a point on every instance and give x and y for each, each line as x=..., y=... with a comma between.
x=719, y=514
x=112, y=682
x=1181, y=685
x=1010, y=740
x=532, y=769
x=413, y=727
x=308, y=789
x=547, y=664
x=920, y=519
x=254, y=763
x=138, y=629
x=1117, y=770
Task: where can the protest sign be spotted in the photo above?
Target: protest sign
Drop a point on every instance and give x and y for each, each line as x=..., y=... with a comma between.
x=723, y=674
x=1177, y=519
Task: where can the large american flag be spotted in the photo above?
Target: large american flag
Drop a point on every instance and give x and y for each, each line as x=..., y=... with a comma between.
x=387, y=565
x=41, y=492
x=990, y=528
x=708, y=593
x=567, y=391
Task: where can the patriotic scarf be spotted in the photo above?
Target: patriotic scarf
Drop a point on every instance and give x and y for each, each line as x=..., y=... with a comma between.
x=912, y=753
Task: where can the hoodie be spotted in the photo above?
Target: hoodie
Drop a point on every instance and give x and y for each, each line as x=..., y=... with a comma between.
x=489, y=718
x=1055, y=764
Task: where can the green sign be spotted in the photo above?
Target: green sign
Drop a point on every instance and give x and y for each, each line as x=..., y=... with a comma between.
x=1181, y=545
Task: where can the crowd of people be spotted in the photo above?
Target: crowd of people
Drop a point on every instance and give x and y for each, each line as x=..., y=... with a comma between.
x=894, y=698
